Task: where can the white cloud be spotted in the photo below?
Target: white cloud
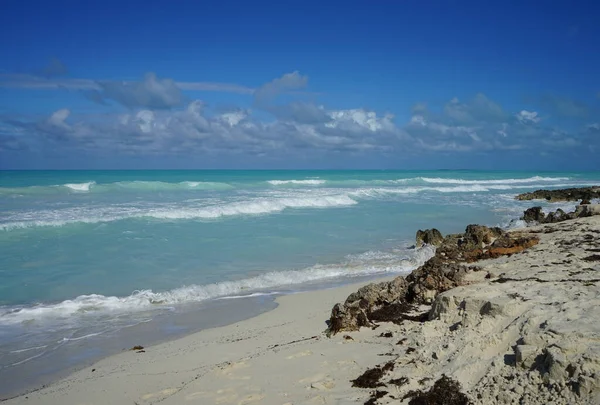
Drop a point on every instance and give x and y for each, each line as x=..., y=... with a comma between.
x=359, y=118
x=593, y=127
x=527, y=117
x=299, y=129
x=27, y=81
x=287, y=82
x=480, y=108
x=233, y=118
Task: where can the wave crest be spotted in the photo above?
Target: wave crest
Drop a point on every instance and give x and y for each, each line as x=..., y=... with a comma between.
x=311, y=182
x=440, y=180
x=368, y=263
x=174, y=212
x=119, y=186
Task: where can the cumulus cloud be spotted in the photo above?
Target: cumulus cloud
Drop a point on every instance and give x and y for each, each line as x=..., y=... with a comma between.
x=526, y=117
x=593, y=128
x=193, y=130
x=289, y=81
x=480, y=108
x=482, y=125
x=160, y=122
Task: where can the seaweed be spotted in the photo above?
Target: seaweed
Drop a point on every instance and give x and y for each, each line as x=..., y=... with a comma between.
x=375, y=395
x=445, y=391
x=371, y=377
x=397, y=313
x=399, y=382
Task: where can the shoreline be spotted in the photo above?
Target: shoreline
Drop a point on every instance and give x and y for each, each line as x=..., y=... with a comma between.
x=282, y=355
x=305, y=310
x=236, y=310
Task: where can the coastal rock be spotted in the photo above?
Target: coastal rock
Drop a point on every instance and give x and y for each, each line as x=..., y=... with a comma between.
x=568, y=194
x=587, y=210
x=434, y=277
x=536, y=215
x=430, y=237
x=395, y=300
x=508, y=245
x=354, y=313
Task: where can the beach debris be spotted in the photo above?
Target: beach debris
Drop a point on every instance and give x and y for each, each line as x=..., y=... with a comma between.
x=348, y=337
x=375, y=395
x=137, y=347
x=445, y=391
x=386, y=334
x=371, y=377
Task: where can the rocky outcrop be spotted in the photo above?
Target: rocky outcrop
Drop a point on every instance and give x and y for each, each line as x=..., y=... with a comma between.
x=354, y=312
x=525, y=333
x=395, y=300
x=536, y=215
x=429, y=237
x=568, y=194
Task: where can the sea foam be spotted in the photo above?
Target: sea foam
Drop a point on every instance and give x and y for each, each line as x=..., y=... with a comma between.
x=310, y=182
x=99, y=214
x=370, y=263
x=439, y=180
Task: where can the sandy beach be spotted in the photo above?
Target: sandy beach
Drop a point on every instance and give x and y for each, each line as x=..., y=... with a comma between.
x=522, y=329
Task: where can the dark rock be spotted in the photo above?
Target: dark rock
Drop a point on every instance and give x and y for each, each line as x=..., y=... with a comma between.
x=430, y=237
x=557, y=216
x=534, y=214
x=352, y=315
x=568, y=194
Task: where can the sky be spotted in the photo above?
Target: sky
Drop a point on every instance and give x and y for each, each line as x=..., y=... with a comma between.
x=401, y=84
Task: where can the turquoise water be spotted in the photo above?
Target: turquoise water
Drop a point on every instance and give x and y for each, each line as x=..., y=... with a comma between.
x=86, y=253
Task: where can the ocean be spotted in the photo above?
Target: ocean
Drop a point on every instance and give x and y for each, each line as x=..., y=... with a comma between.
x=94, y=262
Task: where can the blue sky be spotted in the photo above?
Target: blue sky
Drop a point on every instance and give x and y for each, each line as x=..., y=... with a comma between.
x=395, y=84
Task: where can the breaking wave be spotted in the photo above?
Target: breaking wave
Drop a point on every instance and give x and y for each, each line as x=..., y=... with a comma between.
x=122, y=186
x=311, y=182
x=98, y=214
x=415, y=181
x=439, y=180
x=369, y=263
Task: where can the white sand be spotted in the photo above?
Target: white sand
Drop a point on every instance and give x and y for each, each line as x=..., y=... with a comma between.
x=282, y=357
